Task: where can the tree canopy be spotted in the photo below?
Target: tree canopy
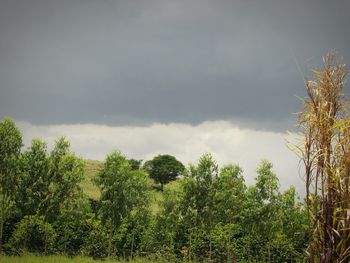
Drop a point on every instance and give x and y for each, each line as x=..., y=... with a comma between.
x=164, y=168
x=10, y=148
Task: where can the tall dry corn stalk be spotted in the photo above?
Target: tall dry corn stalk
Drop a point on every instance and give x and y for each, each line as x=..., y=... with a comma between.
x=325, y=153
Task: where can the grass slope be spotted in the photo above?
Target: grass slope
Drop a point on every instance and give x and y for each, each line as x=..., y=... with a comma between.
x=92, y=167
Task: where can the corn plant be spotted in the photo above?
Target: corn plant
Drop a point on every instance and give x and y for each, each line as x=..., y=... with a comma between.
x=324, y=150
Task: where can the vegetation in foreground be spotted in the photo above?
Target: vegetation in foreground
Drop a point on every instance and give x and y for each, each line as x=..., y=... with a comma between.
x=325, y=153
x=65, y=259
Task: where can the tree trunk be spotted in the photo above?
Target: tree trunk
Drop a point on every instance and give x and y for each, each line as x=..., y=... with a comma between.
x=1, y=234
x=132, y=247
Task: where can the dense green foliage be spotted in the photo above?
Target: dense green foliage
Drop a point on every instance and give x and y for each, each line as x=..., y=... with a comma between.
x=10, y=146
x=65, y=259
x=207, y=214
x=32, y=234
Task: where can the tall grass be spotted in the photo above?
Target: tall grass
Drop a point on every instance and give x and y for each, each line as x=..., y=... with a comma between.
x=325, y=153
x=63, y=259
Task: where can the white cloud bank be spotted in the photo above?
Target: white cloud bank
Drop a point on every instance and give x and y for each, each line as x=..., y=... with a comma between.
x=227, y=142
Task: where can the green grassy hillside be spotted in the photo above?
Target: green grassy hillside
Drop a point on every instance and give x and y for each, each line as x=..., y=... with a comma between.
x=92, y=167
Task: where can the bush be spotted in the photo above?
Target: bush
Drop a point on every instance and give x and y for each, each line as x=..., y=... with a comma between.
x=282, y=249
x=98, y=242
x=32, y=234
x=72, y=227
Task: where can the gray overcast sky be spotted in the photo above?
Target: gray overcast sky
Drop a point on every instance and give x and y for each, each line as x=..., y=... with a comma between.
x=141, y=62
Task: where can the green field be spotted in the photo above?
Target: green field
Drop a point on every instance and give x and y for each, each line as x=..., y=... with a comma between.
x=63, y=259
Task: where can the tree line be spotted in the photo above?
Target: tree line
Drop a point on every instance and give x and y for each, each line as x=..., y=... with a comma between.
x=211, y=214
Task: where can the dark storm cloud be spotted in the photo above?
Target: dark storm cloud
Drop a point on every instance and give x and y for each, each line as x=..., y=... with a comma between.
x=138, y=62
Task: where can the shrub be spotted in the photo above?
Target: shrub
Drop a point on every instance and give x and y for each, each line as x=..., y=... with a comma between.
x=98, y=243
x=32, y=234
x=72, y=227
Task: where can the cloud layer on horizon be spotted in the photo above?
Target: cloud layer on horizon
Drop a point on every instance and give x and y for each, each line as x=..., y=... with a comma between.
x=227, y=142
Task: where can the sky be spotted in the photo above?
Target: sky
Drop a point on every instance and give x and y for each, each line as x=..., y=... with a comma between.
x=181, y=77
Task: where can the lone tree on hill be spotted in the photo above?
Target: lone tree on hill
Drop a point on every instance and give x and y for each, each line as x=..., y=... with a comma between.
x=164, y=168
